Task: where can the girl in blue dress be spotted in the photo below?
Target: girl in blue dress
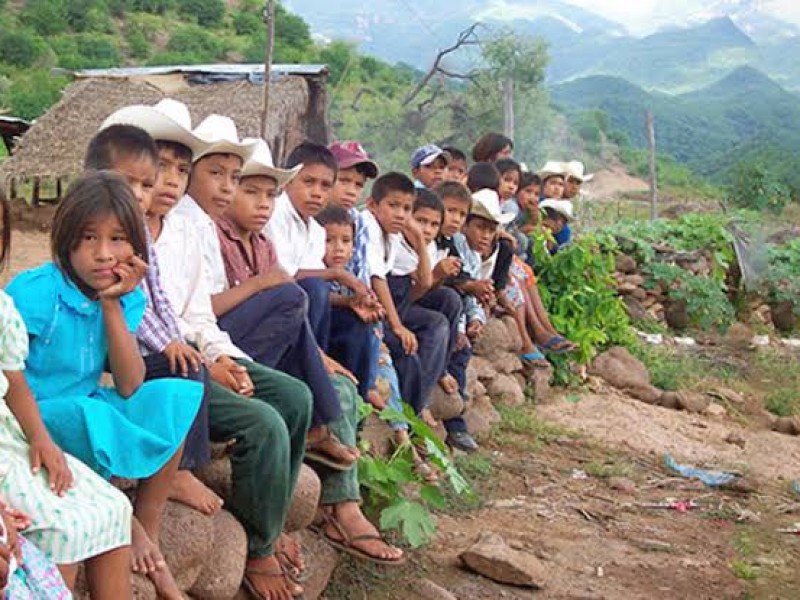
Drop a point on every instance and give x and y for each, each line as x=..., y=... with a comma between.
x=81, y=312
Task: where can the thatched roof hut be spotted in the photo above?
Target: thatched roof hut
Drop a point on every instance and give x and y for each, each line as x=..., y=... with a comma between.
x=53, y=147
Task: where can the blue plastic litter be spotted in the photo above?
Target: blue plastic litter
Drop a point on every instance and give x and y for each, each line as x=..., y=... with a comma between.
x=710, y=478
x=796, y=487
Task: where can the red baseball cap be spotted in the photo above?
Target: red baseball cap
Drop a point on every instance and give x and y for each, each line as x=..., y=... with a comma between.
x=350, y=154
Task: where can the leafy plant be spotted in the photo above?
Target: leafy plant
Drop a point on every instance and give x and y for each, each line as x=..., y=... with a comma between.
x=782, y=280
x=756, y=186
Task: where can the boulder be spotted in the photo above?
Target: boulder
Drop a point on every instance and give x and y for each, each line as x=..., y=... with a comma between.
x=625, y=288
x=539, y=384
x=676, y=314
x=646, y=393
x=187, y=536
x=491, y=557
x=425, y=588
x=624, y=263
x=222, y=567
x=217, y=476
x=378, y=436
x=322, y=561
x=636, y=279
x=636, y=310
x=507, y=363
x=483, y=368
x=669, y=400
x=475, y=388
x=480, y=415
x=505, y=390
x=445, y=406
x=619, y=368
x=514, y=338
x=639, y=294
x=304, y=501
x=694, y=402
x=494, y=340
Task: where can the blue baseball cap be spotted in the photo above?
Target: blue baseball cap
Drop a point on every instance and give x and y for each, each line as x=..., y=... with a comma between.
x=427, y=154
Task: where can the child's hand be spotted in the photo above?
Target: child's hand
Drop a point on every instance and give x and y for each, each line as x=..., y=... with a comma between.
x=474, y=329
x=182, y=356
x=413, y=233
x=368, y=314
x=228, y=373
x=333, y=367
x=15, y=520
x=482, y=289
x=130, y=273
x=5, y=566
x=44, y=453
x=503, y=234
x=447, y=267
x=407, y=339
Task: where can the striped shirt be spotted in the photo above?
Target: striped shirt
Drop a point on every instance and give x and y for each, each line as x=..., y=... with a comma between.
x=159, y=326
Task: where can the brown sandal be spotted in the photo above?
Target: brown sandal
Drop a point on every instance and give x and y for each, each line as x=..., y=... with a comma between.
x=315, y=453
x=251, y=589
x=346, y=543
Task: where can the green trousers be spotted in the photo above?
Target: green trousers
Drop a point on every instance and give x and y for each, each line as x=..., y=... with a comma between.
x=270, y=432
x=342, y=486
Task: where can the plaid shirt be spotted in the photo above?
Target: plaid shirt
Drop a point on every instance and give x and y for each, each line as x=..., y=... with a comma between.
x=159, y=325
x=238, y=266
x=358, y=265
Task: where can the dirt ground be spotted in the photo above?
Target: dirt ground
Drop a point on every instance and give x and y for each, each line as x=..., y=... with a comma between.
x=28, y=249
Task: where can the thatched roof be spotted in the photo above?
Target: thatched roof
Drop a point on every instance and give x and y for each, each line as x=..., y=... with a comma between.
x=55, y=144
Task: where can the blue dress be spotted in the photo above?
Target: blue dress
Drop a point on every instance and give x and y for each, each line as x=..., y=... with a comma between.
x=125, y=437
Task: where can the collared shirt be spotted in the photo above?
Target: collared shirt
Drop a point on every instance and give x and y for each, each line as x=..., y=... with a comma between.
x=239, y=265
x=471, y=265
x=183, y=268
x=435, y=254
x=381, y=247
x=159, y=325
x=358, y=264
x=406, y=260
x=208, y=241
x=300, y=244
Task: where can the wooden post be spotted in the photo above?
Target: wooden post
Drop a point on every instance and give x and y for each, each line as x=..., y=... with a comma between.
x=651, y=147
x=508, y=107
x=269, y=20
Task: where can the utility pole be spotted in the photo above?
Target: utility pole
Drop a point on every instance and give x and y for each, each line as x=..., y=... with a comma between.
x=651, y=146
x=269, y=21
x=508, y=107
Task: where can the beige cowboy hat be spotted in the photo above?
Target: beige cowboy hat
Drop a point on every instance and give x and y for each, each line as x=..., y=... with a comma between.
x=220, y=135
x=486, y=204
x=562, y=207
x=261, y=163
x=551, y=168
x=575, y=170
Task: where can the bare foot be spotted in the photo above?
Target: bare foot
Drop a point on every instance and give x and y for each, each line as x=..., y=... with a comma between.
x=189, y=490
x=427, y=418
x=265, y=579
x=375, y=399
x=449, y=384
x=146, y=559
x=355, y=524
x=289, y=553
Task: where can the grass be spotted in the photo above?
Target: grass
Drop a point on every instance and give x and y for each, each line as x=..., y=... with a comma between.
x=521, y=429
x=778, y=375
x=744, y=570
x=608, y=469
x=673, y=369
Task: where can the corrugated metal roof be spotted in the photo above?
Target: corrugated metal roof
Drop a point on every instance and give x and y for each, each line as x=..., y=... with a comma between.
x=219, y=69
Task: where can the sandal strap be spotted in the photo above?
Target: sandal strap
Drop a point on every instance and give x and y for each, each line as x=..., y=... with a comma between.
x=264, y=572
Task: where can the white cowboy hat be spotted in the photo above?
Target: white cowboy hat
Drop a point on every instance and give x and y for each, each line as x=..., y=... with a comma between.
x=261, y=163
x=563, y=207
x=486, y=204
x=167, y=121
x=552, y=167
x=221, y=137
x=575, y=170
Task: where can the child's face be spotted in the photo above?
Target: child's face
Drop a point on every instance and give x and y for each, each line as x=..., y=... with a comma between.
x=393, y=211
x=140, y=172
x=572, y=187
x=554, y=188
x=430, y=222
x=103, y=245
x=480, y=234
x=509, y=182
x=310, y=190
x=431, y=175
x=214, y=181
x=253, y=203
x=338, y=245
x=456, y=171
x=173, y=177
x=528, y=198
x=349, y=187
x=553, y=224
x=455, y=215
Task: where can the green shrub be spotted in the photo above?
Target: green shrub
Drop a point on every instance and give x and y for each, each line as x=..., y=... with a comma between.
x=34, y=92
x=193, y=40
x=156, y=7
x=207, y=13
x=86, y=50
x=88, y=15
x=247, y=23
x=757, y=186
x=47, y=17
x=21, y=48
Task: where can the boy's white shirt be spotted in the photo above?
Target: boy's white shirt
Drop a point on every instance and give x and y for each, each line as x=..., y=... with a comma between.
x=435, y=254
x=184, y=275
x=189, y=209
x=299, y=245
x=381, y=247
x=487, y=266
x=406, y=260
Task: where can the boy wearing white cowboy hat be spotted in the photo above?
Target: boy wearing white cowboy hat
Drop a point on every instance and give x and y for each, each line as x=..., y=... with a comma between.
x=575, y=178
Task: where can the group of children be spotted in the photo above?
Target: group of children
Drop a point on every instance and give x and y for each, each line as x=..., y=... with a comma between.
x=234, y=301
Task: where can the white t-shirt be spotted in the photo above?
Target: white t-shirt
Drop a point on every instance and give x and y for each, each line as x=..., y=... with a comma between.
x=407, y=260
x=299, y=244
x=381, y=247
x=206, y=230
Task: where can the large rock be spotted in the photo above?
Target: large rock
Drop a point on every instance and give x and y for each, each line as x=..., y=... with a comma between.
x=445, y=406
x=507, y=363
x=304, y=501
x=425, y=588
x=483, y=368
x=693, y=401
x=186, y=537
x=624, y=263
x=514, y=337
x=646, y=393
x=538, y=380
x=505, y=390
x=494, y=340
x=322, y=561
x=480, y=415
x=493, y=558
x=217, y=476
x=475, y=388
x=378, y=436
x=619, y=368
x=222, y=567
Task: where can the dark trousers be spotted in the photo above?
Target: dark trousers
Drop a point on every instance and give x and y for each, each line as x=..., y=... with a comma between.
x=355, y=344
x=319, y=308
x=272, y=328
x=196, y=448
x=457, y=367
x=419, y=372
x=446, y=301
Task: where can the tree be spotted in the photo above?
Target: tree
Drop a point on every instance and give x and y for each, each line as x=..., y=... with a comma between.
x=48, y=17
x=31, y=94
x=207, y=13
x=20, y=48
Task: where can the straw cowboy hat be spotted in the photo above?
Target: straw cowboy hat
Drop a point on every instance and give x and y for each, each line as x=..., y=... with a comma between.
x=168, y=121
x=563, y=207
x=575, y=170
x=552, y=168
x=220, y=135
x=261, y=163
x=486, y=204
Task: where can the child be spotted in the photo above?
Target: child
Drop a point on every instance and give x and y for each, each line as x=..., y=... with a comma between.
x=457, y=167
x=510, y=175
x=89, y=296
x=266, y=413
x=553, y=176
x=530, y=188
x=354, y=169
x=428, y=166
x=131, y=152
x=75, y=516
x=557, y=216
x=492, y=146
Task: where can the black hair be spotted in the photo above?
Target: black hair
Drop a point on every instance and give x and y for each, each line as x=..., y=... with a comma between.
x=6, y=225
x=454, y=189
x=180, y=151
x=489, y=146
x=95, y=194
x=308, y=154
x=333, y=214
x=504, y=165
x=391, y=182
x=455, y=153
x=428, y=199
x=483, y=175
x=552, y=213
x=116, y=143
x=528, y=178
